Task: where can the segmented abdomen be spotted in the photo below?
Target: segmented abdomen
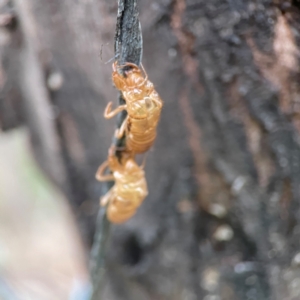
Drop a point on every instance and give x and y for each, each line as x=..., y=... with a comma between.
x=140, y=143
x=141, y=133
x=127, y=197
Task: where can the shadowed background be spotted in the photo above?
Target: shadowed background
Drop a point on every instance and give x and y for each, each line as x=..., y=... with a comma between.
x=222, y=217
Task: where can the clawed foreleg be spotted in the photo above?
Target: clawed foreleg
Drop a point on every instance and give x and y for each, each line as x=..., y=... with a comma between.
x=108, y=113
x=120, y=132
x=100, y=173
x=106, y=198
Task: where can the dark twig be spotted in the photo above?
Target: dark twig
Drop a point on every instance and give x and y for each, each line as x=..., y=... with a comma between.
x=97, y=263
x=128, y=39
x=128, y=48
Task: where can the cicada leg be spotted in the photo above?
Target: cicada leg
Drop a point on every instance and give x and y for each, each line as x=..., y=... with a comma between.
x=144, y=71
x=105, y=199
x=108, y=113
x=144, y=161
x=100, y=173
x=120, y=132
x=145, y=74
x=114, y=66
x=156, y=99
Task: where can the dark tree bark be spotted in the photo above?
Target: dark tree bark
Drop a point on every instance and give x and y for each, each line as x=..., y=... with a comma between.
x=222, y=216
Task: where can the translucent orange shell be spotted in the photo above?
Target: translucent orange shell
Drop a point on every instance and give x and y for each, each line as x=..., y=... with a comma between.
x=129, y=190
x=143, y=106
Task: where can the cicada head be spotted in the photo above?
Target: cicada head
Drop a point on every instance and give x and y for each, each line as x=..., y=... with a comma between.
x=134, y=76
x=142, y=88
x=119, y=81
x=113, y=160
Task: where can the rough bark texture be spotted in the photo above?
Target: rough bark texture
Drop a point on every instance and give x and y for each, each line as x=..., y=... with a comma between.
x=227, y=157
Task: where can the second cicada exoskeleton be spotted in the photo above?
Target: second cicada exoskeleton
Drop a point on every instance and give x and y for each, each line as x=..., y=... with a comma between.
x=129, y=190
x=143, y=106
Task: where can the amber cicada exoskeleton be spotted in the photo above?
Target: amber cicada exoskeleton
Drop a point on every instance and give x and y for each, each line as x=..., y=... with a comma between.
x=143, y=106
x=129, y=190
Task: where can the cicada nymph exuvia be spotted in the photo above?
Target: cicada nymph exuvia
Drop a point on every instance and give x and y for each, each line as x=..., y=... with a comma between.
x=143, y=106
x=129, y=190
